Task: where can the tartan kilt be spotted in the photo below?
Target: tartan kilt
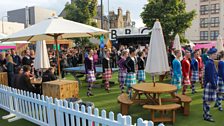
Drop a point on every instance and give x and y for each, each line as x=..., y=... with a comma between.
x=195, y=76
x=141, y=75
x=209, y=93
x=130, y=79
x=107, y=75
x=91, y=76
x=200, y=74
x=176, y=83
x=220, y=85
x=186, y=81
x=121, y=77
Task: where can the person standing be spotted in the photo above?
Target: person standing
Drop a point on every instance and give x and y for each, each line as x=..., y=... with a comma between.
x=194, y=71
x=107, y=71
x=16, y=58
x=220, y=83
x=177, y=73
x=186, y=70
x=122, y=70
x=210, y=84
x=10, y=70
x=90, y=71
x=200, y=67
x=141, y=67
x=130, y=64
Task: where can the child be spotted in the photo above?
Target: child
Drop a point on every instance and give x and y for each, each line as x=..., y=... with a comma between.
x=130, y=64
x=177, y=73
x=122, y=70
x=141, y=67
x=220, y=82
x=107, y=70
x=210, y=84
x=90, y=71
x=195, y=71
x=186, y=70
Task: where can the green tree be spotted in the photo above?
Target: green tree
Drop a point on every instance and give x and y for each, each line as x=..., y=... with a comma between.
x=82, y=11
x=172, y=15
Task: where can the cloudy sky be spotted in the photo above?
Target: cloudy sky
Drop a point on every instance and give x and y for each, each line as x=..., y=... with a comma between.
x=134, y=6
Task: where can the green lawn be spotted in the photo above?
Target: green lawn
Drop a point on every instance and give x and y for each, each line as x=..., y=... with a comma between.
x=108, y=101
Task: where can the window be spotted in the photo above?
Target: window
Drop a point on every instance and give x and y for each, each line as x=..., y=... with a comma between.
x=204, y=22
x=214, y=35
x=215, y=8
x=214, y=22
x=204, y=35
x=204, y=9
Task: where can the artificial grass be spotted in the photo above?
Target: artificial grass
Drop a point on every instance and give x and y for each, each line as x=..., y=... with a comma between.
x=108, y=101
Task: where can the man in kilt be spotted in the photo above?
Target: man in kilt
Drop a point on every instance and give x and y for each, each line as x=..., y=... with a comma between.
x=194, y=71
x=107, y=71
x=90, y=72
x=186, y=70
x=141, y=67
x=177, y=73
x=210, y=84
x=220, y=86
x=122, y=70
x=130, y=64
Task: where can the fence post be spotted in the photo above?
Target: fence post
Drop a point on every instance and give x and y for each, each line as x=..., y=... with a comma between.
x=96, y=113
x=50, y=112
x=128, y=120
x=121, y=119
x=77, y=118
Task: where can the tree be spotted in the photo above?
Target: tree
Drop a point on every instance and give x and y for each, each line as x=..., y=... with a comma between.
x=172, y=15
x=82, y=11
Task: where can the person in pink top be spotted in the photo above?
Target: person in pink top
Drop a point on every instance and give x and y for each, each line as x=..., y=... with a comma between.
x=95, y=57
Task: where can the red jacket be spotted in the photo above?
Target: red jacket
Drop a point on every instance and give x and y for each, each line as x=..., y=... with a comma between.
x=200, y=63
x=186, y=68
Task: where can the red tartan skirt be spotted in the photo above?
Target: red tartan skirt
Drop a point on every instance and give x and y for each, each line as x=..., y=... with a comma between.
x=107, y=75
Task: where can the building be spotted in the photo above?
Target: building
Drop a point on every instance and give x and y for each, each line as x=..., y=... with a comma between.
x=29, y=15
x=207, y=24
x=10, y=27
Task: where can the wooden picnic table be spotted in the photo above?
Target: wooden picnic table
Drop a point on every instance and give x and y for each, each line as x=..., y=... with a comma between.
x=153, y=93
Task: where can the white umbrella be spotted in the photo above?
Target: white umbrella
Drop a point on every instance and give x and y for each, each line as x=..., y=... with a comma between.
x=53, y=29
x=177, y=46
x=2, y=36
x=157, y=60
x=41, y=60
x=219, y=43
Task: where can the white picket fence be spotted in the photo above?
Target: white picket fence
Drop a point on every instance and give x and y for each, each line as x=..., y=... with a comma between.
x=43, y=111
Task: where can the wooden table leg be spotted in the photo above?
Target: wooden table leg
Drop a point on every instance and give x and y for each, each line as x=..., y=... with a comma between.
x=159, y=98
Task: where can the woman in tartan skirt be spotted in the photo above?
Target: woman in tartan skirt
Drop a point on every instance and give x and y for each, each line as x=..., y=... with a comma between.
x=210, y=84
x=141, y=67
x=186, y=70
x=195, y=71
x=122, y=70
x=130, y=64
x=90, y=71
x=177, y=73
x=107, y=70
x=220, y=83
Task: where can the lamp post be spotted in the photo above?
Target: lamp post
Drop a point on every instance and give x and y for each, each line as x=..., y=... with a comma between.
x=3, y=23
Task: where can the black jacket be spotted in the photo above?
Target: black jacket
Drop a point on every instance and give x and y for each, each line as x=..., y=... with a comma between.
x=141, y=64
x=48, y=76
x=130, y=65
x=106, y=64
x=25, y=84
x=27, y=61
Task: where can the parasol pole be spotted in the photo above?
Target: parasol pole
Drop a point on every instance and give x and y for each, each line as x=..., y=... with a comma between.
x=153, y=79
x=57, y=54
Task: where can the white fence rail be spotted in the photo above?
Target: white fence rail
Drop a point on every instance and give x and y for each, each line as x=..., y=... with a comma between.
x=43, y=111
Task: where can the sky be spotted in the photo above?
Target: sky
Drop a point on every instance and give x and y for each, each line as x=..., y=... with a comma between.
x=134, y=6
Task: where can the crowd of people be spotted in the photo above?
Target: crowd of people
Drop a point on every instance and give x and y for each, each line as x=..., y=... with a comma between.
x=197, y=67
x=187, y=72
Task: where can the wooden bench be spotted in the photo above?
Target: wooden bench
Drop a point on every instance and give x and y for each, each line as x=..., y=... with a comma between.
x=125, y=102
x=164, y=117
x=185, y=103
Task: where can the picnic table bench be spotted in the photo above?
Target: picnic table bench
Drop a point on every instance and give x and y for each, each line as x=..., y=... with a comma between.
x=185, y=103
x=164, y=117
x=125, y=103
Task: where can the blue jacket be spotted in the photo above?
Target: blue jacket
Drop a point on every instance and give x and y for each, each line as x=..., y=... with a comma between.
x=221, y=69
x=210, y=74
x=177, y=73
x=194, y=64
